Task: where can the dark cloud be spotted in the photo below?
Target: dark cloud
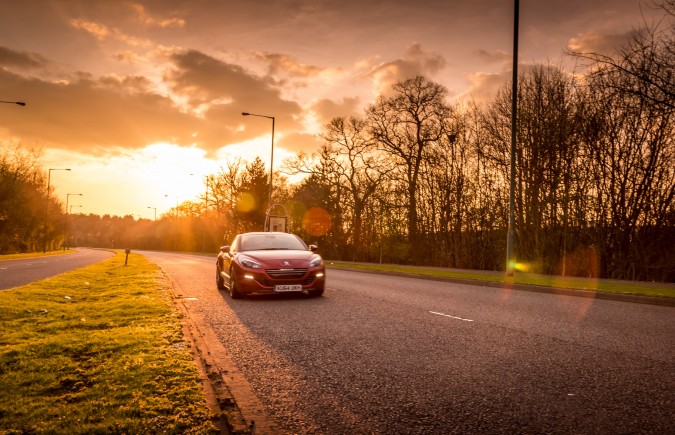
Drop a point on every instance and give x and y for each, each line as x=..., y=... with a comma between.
x=15, y=59
x=87, y=115
x=230, y=90
x=204, y=78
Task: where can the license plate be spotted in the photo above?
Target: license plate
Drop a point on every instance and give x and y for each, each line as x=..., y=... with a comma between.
x=288, y=288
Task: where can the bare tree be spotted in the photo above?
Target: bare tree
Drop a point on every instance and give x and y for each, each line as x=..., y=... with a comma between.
x=646, y=63
x=352, y=169
x=546, y=159
x=632, y=144
x=405, y=126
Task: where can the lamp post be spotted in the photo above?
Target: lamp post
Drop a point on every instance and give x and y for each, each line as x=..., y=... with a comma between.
x=271, y=159
x=206, y=208
x=18, y=103
x=154, y=208
x=510, y=266
x=68, y=198
x=65, y=245
x=206, y=194
x=49, y=181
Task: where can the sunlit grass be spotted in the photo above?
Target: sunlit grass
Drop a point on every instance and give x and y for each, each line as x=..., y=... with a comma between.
x=608, y=286
x=97, y=350
x=34, y=254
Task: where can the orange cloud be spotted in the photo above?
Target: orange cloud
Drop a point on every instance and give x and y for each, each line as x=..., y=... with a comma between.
x=326, y=109
x=416, y=61
x=281, y=63
x=148, y=20
x=597, y=42
x=484, y=86
x=499, y=56
x=99, y=31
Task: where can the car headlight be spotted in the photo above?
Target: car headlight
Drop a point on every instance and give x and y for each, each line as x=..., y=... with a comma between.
x=249, y=262
x=315, y=261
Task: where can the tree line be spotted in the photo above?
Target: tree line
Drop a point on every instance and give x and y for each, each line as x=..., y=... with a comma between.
x=418, y=180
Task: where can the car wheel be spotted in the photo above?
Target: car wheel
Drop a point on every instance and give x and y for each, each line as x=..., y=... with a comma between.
x=316, y=293
x=220, y=282
x=234, y=292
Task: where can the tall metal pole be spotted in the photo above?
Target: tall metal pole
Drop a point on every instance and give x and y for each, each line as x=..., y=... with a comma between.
x=49, y=181
x=65, y=245
x=269, y=207
x=271, y=166
x=510, y=261
x=44, y=236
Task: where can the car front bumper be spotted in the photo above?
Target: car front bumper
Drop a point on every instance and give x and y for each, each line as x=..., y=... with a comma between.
x=264, y=282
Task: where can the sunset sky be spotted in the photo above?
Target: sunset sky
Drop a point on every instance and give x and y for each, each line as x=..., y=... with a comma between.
x=142, y=99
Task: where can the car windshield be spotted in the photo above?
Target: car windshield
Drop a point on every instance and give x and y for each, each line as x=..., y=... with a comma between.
x=258, y=242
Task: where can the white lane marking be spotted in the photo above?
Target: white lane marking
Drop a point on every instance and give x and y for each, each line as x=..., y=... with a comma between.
x=452, y=317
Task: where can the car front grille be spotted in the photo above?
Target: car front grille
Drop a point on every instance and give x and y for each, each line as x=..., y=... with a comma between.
x=287, y=273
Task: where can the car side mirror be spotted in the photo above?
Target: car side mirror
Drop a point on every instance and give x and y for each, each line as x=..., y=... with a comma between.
x=225, y=248
x=313, y=248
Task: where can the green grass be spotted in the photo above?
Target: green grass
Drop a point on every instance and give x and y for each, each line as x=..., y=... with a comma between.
x=607, y=286
x=97, y=350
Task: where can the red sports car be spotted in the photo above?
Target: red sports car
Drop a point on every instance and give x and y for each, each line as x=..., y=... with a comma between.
x=269, y=263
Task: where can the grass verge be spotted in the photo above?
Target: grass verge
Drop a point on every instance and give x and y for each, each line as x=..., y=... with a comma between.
x=97, y=350
x=600, y=285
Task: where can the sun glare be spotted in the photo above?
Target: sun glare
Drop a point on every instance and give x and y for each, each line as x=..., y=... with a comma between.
x=161, y=175
x=250, y=150
x=127, y=183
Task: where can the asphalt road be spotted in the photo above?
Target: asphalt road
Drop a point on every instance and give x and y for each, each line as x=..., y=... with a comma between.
x=380, y=354
x=14, y=273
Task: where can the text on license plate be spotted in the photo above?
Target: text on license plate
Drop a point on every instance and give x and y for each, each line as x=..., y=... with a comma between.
x=288, y=288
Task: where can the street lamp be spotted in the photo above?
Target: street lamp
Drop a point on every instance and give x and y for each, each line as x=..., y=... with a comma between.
x=68, y=217
x=206, y=194
x=154, y=208
x=49, y=181
x=19, y=103
x=271, y=158
x=510, y=266
x=68, y=198
x=206, y=208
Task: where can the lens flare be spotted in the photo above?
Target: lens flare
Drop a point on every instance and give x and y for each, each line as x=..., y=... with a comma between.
x=522, y=267
x=245, y=202
x=316, y=221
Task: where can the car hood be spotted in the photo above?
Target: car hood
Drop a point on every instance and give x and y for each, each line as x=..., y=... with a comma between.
x=281, y=258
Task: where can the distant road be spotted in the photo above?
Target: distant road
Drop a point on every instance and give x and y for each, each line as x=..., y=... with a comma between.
x=14, y=273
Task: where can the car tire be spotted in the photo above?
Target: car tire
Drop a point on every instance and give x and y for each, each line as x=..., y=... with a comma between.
x=220, y=282
x=316, y=293
x=234, y=292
